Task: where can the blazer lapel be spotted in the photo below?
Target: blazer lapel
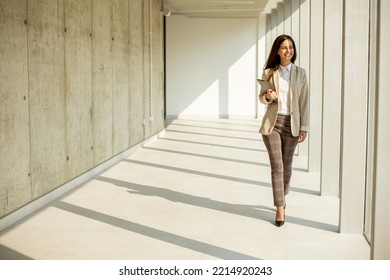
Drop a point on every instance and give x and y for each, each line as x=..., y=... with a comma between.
x=293, y=82
x=276, y=76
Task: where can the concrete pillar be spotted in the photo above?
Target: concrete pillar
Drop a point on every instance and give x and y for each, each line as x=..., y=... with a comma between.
x=354, y=115
x=316, y=83
x=333, y=42
x=381, y=214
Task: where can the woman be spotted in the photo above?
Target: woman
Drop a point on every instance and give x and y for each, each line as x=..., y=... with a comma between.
x=286, y=120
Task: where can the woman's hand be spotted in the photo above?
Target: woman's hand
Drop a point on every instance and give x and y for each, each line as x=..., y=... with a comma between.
x=271, y=95
x=302, y=136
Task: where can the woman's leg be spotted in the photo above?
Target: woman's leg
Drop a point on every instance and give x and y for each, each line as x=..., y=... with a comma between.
x=289, y=143
x=281, y=145
x=273, y=143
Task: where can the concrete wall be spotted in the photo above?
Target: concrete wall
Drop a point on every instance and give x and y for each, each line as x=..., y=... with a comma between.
x=81, y=81
x=211, y=66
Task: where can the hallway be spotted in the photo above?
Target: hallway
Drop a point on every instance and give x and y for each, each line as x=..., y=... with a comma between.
x=200, y=191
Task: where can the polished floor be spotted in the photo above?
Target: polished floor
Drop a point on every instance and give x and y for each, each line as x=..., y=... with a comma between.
x=200, y=191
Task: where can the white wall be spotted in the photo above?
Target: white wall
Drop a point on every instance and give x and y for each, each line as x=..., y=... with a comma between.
x=211, y=67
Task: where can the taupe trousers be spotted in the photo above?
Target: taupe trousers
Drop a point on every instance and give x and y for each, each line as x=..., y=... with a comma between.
x=281, y=144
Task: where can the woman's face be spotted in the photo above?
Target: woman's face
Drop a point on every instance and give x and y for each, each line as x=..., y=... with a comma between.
x=286, y=52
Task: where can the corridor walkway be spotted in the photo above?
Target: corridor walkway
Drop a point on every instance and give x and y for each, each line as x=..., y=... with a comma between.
x=200, y=191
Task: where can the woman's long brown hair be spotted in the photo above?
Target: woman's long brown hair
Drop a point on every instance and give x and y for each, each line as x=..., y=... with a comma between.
x=273, y=60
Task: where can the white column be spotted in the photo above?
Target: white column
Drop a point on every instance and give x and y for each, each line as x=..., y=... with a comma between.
x=354, y=115
x=295, y=26
x=262, y=30
x=261, y=57
x=371, y=121
x=381, y=218
x=287, y=17
x=316, y=82
x=280, y=13
x=268, y=35
x=304, y=55
x=333, y=10
x=274, y=19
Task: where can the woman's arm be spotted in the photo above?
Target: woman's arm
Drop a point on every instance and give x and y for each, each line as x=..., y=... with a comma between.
x=267, y=95
x=304, y=105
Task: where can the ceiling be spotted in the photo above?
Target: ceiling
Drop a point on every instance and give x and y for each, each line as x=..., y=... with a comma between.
x=216, y=8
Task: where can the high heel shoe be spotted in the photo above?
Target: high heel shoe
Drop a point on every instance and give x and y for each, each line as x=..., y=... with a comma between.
x=280, y=223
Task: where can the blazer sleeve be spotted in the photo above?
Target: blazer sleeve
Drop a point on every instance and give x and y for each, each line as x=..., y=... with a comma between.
x=263, y=92
x=304, y=103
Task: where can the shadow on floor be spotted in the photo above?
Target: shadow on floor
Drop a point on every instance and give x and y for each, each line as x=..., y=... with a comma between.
x=9, y=254
x=251, y=211
x=171, y=238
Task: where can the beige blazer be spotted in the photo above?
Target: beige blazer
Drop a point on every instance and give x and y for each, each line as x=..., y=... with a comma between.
x=299, y=97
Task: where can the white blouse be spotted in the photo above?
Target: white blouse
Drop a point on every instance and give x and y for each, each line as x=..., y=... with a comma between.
x=284, y=85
